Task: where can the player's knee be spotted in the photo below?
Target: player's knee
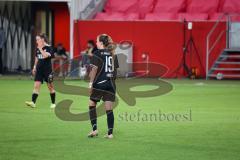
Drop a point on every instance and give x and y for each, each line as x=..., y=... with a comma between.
x=92, y=103
x=36, y=88
x=108, y=106
x=51, y=89
x=50, y=85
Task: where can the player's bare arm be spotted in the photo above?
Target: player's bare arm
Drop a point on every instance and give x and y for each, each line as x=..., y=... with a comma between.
x=92, y=76
x=35, y=65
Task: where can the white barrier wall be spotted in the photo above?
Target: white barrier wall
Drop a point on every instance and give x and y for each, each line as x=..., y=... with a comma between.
x=15, y=21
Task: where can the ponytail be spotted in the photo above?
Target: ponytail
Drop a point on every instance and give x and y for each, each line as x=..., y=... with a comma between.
x=108, y=43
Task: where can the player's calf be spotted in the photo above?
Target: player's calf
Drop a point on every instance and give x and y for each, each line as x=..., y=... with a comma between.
x=93, y=119
x=110, y=123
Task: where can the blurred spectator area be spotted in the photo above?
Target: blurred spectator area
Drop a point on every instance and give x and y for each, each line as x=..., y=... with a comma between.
x=162, y=10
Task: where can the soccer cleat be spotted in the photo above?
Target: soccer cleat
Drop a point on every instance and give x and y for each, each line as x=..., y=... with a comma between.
x=30, y=104
x=53, y=106
x=93, y=134
x=108, y=136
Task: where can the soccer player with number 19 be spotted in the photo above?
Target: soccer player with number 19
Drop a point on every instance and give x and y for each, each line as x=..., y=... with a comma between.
x=102, y=82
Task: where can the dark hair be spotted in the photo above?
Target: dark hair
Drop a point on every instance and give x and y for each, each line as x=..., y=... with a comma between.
x=91, y=42
x=59, y=44
x=43, y=36
x=107, y=42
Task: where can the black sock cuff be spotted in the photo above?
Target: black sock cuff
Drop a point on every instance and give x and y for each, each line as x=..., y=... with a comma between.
x=34, y=97
x=110, y=131
x=92, y=108
x=93, y=117
x=109, y=111
x=93, y=112
x=53, y=97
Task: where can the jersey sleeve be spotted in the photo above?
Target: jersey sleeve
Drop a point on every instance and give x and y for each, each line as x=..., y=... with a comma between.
x=116, y=64
x=36, y=53
x=52, y=51
x=95, y=61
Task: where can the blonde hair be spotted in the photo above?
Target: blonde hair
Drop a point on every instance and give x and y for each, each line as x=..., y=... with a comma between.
x=108, y=43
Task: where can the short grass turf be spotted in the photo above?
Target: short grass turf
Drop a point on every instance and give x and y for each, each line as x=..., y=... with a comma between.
x=212, y=131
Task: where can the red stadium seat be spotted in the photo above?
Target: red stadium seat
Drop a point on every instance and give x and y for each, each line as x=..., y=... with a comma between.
x=160, y=16
x=145, y=6
x=202, y=6
x=163, y=10
x=130, y=6
x=193, y=16
x=217, y=16
x=229, y=6
x=110, y=16
x=132, y=16
x=100, y=16
x=117, y=16
x=173, y=6
x=124, y=6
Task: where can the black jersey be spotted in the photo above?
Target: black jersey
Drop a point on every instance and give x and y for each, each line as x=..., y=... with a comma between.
x=107, y=65
x=44, y=62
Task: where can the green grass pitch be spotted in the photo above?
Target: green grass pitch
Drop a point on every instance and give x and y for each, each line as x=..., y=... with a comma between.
x=213, y=133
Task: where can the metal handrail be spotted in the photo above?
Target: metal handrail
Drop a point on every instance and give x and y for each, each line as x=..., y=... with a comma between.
x=209, y=50
x=93, y=6
x=215, y=43
x=208, y=39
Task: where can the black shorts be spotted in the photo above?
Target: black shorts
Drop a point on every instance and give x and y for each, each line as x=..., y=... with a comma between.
x=43, y=75
x=105, y=92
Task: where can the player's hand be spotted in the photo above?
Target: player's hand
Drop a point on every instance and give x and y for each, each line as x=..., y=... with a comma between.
x=33, y=71
x=90, y=88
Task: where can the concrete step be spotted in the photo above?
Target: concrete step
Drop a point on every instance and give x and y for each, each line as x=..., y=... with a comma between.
x=230, y=56
x=226, y=69
x=226, y=75
x=232, y=50
x=227, y=62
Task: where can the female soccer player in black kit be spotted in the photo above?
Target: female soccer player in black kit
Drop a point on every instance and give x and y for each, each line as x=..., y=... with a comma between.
x=42, y=70
x=102, y=82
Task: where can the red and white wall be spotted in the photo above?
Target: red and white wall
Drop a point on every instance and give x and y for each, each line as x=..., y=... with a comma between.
x=61, y=24
x=163, y=41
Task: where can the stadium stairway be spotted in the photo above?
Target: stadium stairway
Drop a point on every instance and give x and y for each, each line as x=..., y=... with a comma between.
x=227, y=65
